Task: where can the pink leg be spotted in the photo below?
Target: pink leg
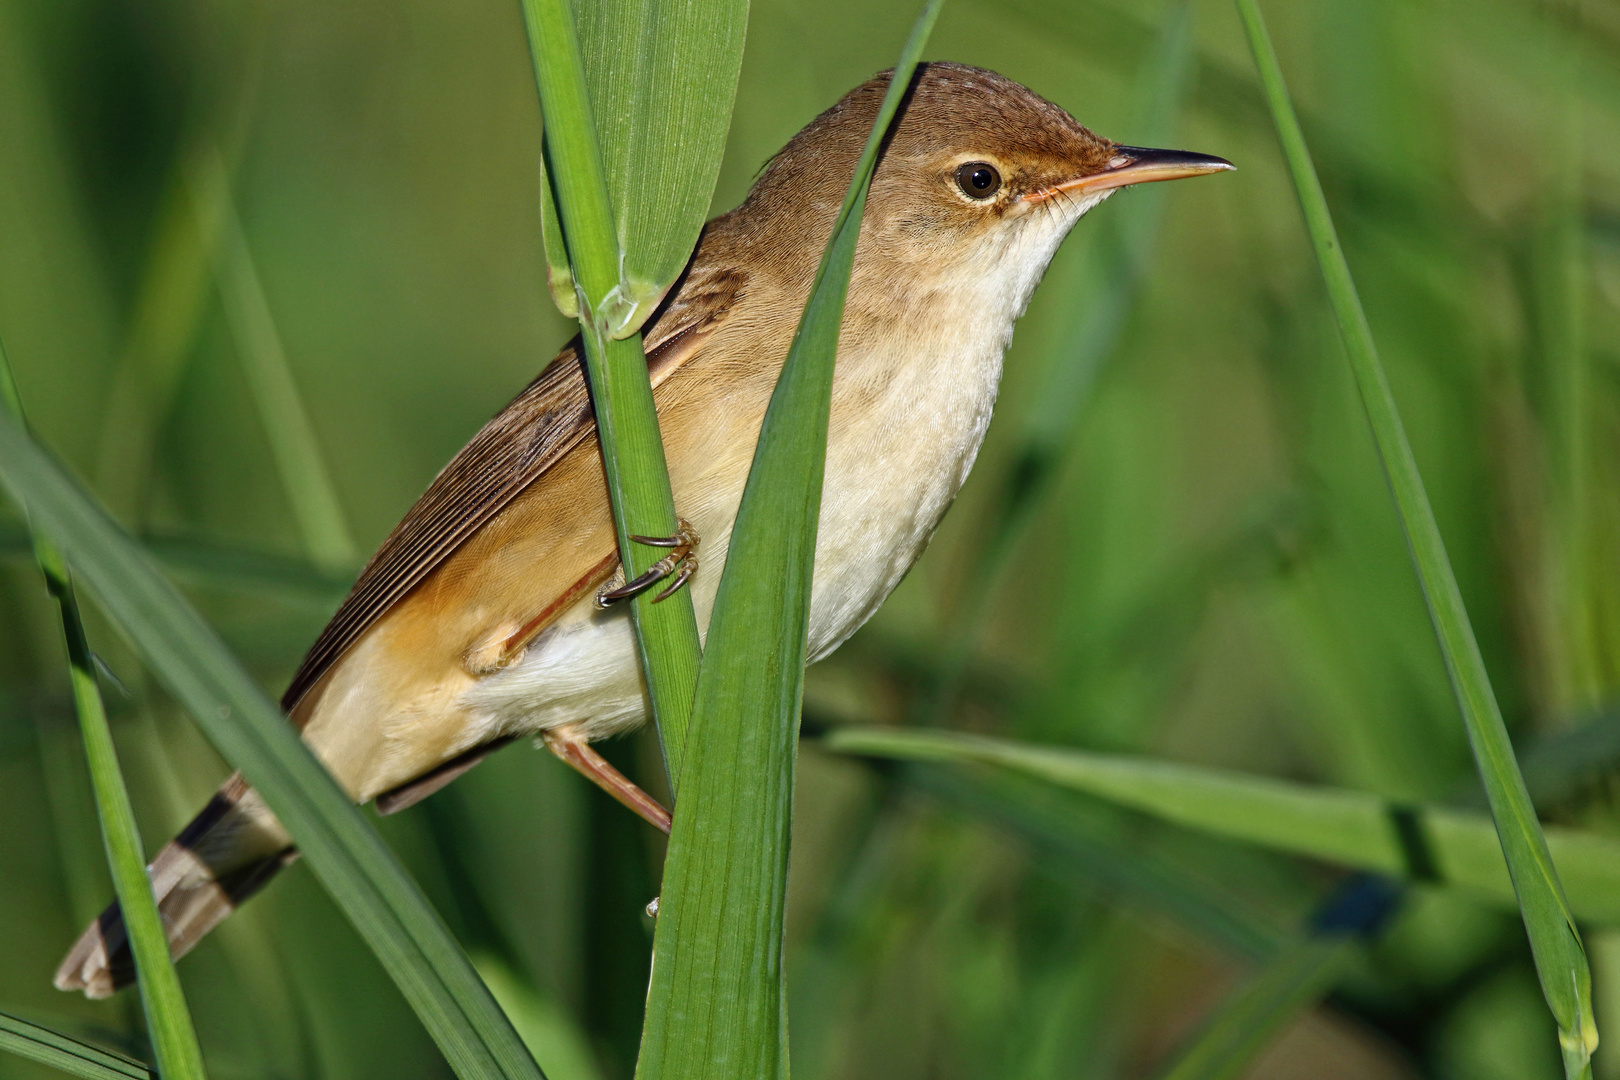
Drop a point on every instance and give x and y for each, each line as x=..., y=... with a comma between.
x=566, y=743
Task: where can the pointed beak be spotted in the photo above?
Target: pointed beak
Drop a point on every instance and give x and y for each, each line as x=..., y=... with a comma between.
x=1139, y=165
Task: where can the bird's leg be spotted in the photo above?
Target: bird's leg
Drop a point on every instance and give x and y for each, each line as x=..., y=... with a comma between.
x=681, y=561
x=568, y=744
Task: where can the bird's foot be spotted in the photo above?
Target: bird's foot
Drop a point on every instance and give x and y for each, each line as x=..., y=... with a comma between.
x=567, y=743
x=681, y=562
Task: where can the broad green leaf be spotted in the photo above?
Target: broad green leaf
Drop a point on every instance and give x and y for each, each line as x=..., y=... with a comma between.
x=1566, y=978
x=1353, y=828
x=168, y=1020
x=661, y=77
x=66, y=1054
x=715, y=1007
x=621, y=391
x=350, y=859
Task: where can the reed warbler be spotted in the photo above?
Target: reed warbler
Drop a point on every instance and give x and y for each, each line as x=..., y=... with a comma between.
x=481, y=619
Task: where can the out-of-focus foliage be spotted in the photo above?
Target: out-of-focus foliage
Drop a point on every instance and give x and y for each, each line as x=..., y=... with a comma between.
x=1213, y=575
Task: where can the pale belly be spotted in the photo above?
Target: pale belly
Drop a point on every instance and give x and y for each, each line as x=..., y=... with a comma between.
x=889, y=479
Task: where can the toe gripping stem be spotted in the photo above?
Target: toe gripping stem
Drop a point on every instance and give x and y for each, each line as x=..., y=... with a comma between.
x=681, y=562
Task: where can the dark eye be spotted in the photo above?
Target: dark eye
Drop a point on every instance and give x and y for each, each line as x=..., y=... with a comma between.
x=978, y=179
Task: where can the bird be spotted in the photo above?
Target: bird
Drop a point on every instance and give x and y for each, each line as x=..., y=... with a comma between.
x=488, y=614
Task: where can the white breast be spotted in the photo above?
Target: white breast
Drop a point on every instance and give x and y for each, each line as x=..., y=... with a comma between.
x=909, y=415
x=892, y=472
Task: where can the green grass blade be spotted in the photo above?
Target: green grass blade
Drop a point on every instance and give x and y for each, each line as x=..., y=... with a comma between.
x=174, y=1037
x=1069, y=844
x=1259, y=1011
x=626, y=420
x=1110, y=279
x=1291, y=982
x=1354, y=828
x=293, y=443
x=66, y=1054
x=350, y=859
x=661, y=76
x=546, y=1027
x=163, y=328
x=1556, y=943
x=715, y=1007
x=222, y=566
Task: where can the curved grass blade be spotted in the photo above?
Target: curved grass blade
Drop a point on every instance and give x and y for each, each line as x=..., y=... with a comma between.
x=621, y=391
x=1068, y=845
x=293, y=444
x=174, y=1037
x=1560, y=958
x=546, y=1027
x=67, y=1054
x=164, y=325
x=660, y=77
x=1260, y=1010
x=715, y=1006
x=1111, y=275
x=350, y=859
x=1353, y=828
x=1290, y=983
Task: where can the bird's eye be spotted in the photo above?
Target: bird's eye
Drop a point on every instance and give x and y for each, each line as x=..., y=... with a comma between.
x=978, y=179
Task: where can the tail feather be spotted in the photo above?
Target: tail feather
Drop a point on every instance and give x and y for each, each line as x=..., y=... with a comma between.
x=225, y=855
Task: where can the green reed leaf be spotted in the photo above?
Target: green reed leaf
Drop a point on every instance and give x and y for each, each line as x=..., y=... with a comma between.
x=67, y=1054
x=626, y=419
x=715, y=1007
x=1561, y=963
x=168, y=1020
x=1353, y=828
x=359, y=871
x=661, y=76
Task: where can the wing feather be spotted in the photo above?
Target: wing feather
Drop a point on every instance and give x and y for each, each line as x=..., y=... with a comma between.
x=515, y=449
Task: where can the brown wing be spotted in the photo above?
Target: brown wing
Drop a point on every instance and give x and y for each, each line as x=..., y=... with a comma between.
x=549, y=418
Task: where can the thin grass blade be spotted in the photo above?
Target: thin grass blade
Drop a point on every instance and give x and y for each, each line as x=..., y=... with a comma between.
x=545, y=1025
x=66, y=1054
x=1068, y=844
x=1353, y=828
x=293, y=444
x=1259, y=1011
x=626, y=419
x=1293, y=981
x=163, y=328
x=168, y=1019
x=350, y=859
x=1561, y=962
x=1110, y=280
x=715, y=1006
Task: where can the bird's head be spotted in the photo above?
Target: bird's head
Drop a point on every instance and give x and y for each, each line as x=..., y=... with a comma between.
x=980, y=179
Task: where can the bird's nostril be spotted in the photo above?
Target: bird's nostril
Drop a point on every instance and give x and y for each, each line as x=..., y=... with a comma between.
x=1119, y=161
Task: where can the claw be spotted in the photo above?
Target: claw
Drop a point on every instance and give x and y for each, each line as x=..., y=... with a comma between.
x=688, y=568
x=681, y=561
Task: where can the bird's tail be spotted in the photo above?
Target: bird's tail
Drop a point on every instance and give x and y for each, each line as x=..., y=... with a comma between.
x=224, y=856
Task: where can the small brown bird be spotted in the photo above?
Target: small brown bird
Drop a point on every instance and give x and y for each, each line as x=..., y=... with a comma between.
x=479, y=619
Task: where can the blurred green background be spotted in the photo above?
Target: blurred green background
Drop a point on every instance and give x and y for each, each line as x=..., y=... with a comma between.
x=1177, y=540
